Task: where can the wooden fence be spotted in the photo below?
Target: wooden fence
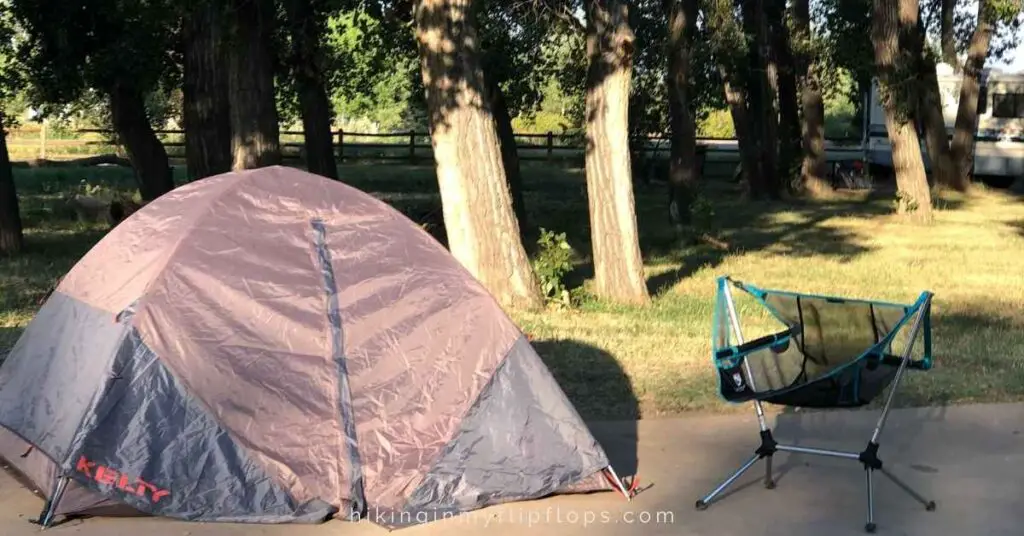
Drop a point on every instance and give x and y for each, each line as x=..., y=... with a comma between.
x=409, y=146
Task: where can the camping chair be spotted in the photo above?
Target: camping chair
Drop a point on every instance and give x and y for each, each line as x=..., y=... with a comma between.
x=830, y=352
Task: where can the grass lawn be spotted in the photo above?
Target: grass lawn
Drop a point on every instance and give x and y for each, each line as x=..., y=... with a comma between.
x=620, y=362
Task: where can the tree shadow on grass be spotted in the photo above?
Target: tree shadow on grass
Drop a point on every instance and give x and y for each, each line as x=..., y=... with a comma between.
x=1018, y=226
x=599, y=388
x=792, y=229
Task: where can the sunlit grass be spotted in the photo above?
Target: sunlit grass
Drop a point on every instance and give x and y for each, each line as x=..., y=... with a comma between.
x=616, y=361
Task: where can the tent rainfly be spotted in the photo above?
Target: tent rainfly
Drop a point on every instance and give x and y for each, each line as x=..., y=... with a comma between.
x=270, y=346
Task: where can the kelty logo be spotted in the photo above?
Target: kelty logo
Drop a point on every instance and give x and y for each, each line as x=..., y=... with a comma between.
x=112, y=477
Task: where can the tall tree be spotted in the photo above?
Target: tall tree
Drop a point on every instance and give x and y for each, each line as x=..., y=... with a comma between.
x=990, y=14
x=483, y=233
x=118, y=47
x=929, y=113
x=682, y=26
x=618, y=265
x=306, y=20
x=11, y=236
x=509, y=37
x=509, y=148
x=205, y=104
x=762, y=93
x=812, y=121
x=893, y=29
x=728, y=45
x=255, y=128
x=786, y=92
x=947, y=36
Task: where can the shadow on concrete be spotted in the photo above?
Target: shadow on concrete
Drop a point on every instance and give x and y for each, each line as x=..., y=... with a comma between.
x=599, y=388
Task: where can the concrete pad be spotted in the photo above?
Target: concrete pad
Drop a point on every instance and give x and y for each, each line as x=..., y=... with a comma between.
x=970, y=460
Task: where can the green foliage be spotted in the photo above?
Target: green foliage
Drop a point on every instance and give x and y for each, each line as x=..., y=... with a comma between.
x=11, y=73
x=551, y=264
x=717, y=124
x=374, y=71
x=75, y=45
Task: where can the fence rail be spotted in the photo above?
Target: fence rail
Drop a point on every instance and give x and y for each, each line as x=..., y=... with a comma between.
x=411, y=146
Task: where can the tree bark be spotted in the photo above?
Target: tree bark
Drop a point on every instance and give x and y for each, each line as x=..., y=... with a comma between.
x=12, y=238
x=618, y=264
x=789, y=111
x=930, y=113
x=761, y=92
x=750, y=157
x=305, y=19
x=962, y=147
x=483, y=233
x=731, y=66
x=145, y=151
x=683, y=171
x=254, y=119
x=205, y=93
x=893, y=26
x=509, y=151
x=812, y=126
x=947, y=39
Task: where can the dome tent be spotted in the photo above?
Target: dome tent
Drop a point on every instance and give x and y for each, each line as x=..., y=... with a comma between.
x=270, y=346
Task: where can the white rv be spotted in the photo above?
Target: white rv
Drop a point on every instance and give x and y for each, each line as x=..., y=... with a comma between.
x=999, y=139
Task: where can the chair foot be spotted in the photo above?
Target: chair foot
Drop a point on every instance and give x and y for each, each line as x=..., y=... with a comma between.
x=769, y=484
x=870, y=527
x=701, y=505
x=930, y=506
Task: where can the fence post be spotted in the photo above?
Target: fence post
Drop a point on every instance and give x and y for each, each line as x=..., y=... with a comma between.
x=341, y=144
x=551, y=145
x=42, y=140
x=412, y=146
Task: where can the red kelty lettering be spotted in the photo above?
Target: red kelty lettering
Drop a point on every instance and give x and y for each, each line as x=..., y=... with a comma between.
x=112, y=477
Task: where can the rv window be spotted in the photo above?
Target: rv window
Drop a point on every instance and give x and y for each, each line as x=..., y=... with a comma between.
x=1007, y=105
x=983, y=100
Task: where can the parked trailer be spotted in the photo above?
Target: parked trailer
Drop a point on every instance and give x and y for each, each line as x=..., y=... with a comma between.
x=999, y=138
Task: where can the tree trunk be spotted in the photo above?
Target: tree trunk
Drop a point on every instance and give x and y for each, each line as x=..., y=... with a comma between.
x=683, y=171
x=970, y=92
x=12, y=239
x=205, y=93
x=732, y=68
x=254, y=120
x=305, y=21
x=789, y=112
x=483, y=233
x=947, y=38
x=750, y=157
x=893, y=25
x=812, y=125
x=930, y=113
x=145, y=151
x=618, y=264
x=761, y=92
x=509, y=151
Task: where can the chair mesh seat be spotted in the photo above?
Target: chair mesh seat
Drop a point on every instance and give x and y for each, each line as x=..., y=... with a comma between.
x=830, y=351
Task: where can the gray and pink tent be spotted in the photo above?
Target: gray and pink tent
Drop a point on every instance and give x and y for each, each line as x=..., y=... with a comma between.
x=270, y=346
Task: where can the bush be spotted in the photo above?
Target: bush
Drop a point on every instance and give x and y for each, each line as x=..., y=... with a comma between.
x=552, y=263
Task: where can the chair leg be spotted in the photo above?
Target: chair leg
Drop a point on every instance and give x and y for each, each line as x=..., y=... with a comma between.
x=769, y=482
x=870, y=526
x=703, y=503
x=928, y=505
